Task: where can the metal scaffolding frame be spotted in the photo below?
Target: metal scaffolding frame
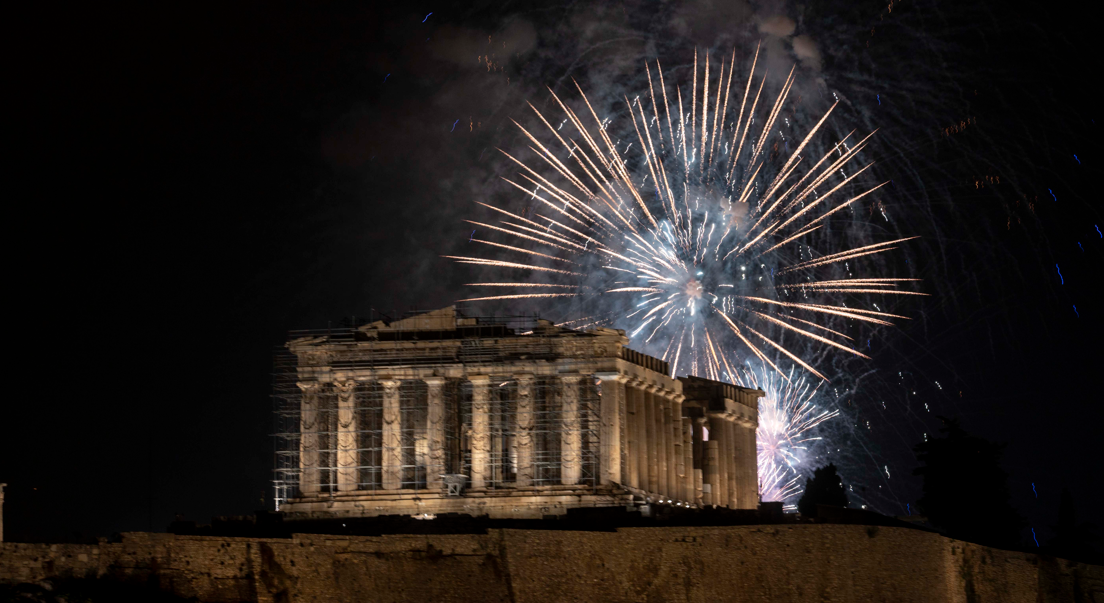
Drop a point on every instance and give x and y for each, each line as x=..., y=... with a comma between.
x=483, y=342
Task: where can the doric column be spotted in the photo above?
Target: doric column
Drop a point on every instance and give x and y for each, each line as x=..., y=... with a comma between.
x=699, y=459
x=650, y=447
x=391, y=461
x=663, y=439
x=480, y=425
x=640, y=427
x=732, y=448
x=308, y=438
x=712, y=472
x=632, y=458
x=613, y=392
x=524, y=438
x=348, y=459
x=717, y=433
x=674, y=451
x=571, y=441
x=748, y=466
x=435, y=431
x=753, y=450
x=739, y=465
x=687, y=460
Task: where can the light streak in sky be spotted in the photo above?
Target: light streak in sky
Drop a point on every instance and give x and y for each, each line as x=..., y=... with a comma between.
x=692, y=213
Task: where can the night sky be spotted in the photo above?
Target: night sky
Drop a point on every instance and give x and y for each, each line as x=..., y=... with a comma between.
x=193, y=182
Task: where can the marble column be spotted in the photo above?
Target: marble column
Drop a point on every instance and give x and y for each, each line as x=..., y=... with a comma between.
x=632, y=444
x=717, y=433
x=712, y=472
x=641, y=428
x=699, y=459
x=676, y=469
x=523, y=441
x=308, y=438
x=687, y=461
x=348, y=458
x=748, y=466
x=391, y=461
x=435, y=431
x=571, y=438
x=480, y=426
x=663, y=440
x=613, y=392
x=732, y=449
x=650, y=447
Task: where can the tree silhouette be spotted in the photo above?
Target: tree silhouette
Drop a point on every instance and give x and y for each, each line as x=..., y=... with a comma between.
x=824, y=488
x=1071, y=539
x=965, y=489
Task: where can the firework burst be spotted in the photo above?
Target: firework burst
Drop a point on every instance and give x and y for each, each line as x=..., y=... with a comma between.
x=694, y=230
x=787, y=416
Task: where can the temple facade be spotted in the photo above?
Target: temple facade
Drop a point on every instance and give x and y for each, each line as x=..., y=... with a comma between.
x=442, y=413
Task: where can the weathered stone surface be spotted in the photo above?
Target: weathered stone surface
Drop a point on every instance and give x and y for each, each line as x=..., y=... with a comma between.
x=786, y=563
x=386, y=410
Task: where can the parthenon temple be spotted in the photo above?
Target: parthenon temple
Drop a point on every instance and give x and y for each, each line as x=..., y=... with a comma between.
x=443, y=413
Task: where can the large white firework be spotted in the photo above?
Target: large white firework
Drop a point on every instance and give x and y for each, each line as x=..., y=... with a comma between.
x=694, y=229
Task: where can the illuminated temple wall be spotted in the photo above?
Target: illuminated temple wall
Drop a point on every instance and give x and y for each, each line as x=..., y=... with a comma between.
x=441, y=413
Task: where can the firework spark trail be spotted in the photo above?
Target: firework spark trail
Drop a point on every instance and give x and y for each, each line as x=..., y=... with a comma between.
x=787, y=417
x=638, y=226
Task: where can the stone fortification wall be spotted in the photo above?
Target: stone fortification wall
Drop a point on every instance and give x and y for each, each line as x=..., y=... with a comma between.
x=789, y=563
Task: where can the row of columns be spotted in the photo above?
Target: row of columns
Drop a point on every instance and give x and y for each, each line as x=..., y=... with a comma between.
x=729, y=462
x=348, y=462
x=645, y=441
x=660, y=442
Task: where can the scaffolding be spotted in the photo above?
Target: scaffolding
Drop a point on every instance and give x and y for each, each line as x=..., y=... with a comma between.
x=489, y=344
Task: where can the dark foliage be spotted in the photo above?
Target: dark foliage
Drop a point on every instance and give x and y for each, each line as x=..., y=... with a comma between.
x=965, y=489
x=1072, y=540
x=824, y=488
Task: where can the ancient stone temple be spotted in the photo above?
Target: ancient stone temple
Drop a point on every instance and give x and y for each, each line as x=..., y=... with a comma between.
x=442, y=413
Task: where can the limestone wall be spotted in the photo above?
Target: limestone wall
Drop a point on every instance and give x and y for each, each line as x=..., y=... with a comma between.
x=789, y=563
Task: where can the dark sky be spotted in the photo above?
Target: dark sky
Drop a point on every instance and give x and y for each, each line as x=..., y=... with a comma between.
x=194, y=181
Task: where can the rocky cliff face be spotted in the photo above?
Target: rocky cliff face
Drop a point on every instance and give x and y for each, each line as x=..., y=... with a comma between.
x=790, y=563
